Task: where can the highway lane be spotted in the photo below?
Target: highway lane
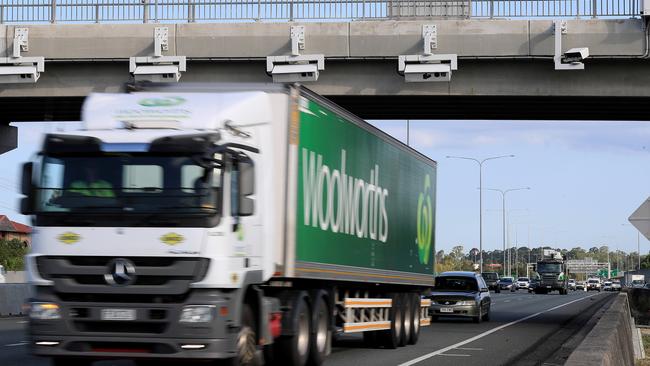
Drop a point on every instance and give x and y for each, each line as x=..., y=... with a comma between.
x=520, y=323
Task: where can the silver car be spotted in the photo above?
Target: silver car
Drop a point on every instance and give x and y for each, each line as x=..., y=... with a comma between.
x=460, y=294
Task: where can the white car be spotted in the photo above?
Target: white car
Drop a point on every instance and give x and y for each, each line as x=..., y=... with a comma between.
x=523, y=283
x=607, y=286
x=593, y=284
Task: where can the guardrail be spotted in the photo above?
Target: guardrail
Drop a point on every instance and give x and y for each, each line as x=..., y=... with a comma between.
x=12, y=298
x=174, y=11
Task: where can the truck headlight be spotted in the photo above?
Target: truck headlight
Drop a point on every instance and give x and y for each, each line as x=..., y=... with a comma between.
x=197, y=314
x=44, y=311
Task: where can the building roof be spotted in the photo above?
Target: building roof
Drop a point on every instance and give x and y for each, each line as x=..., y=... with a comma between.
x=7, y=225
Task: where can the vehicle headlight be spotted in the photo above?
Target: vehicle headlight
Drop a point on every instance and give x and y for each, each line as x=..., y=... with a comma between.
x=467, y=302
x=44, y=311
x=197, y=314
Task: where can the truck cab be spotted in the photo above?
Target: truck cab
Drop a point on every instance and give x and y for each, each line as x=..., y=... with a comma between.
x=552, y=276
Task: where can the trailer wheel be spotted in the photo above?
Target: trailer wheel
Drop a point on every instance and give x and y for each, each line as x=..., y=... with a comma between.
x=415, y=318
x=407, y=319
x=293, y=349
x=321, y=336
x=390, y=338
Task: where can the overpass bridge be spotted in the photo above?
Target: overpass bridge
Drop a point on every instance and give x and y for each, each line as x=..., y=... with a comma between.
x=504, y=53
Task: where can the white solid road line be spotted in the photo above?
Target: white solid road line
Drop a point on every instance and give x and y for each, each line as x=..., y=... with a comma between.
x=16, y=344
x=477, y=337
x=469, y=349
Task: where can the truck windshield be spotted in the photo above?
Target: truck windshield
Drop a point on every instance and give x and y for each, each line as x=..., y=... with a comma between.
x=489, y=276
x=128, y=184
x=549, y=267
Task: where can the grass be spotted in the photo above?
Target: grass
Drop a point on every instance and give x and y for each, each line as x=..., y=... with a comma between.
x=645, y=335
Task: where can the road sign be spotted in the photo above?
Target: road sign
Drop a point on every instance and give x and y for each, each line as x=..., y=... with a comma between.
x=640, y=218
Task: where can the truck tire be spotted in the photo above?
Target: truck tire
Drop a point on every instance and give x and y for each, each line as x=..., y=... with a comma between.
x=415, y=318
x=407, y=320
x=321, y=335
x=390, y=338
x=293, y=349
x=247, y=353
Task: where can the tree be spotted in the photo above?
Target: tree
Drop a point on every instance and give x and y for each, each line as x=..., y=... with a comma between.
x=12, y=254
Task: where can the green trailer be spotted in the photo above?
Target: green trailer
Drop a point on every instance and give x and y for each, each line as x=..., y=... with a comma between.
x=364, y=202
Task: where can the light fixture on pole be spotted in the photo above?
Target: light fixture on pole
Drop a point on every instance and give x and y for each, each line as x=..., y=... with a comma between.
x=503, y=200
x=638, y=246
x=480, y=184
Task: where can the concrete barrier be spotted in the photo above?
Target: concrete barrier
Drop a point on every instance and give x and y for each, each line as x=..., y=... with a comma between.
x=16, y=277
x=610, y=341
x=12, y=298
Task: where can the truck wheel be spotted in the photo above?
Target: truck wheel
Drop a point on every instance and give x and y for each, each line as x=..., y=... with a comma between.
x=407, y=320
x=246, y=340
x=293, y=350
x=415, y=318
x=321, y=336
x=390, y=338
x=69, y=361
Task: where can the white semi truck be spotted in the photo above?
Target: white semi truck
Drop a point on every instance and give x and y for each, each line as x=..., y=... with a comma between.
x=247, y=223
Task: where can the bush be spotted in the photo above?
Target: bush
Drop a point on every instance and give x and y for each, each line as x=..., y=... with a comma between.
x=12, y=255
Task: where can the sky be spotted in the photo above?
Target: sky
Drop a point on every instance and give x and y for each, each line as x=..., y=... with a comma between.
x=586, y=179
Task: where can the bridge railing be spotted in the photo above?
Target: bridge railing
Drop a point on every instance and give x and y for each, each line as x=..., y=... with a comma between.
x=173, y=11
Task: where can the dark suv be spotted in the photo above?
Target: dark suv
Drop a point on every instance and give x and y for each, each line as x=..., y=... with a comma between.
x=492, y=281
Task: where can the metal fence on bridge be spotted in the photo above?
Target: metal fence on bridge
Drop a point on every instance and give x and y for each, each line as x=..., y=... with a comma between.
x=173, y=11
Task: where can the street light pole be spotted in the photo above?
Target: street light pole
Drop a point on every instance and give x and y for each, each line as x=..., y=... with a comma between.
x=503, y=219
x=638, y=246
x=480, y=205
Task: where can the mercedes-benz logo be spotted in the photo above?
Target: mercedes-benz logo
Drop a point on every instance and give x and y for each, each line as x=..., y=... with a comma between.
x=121, y=272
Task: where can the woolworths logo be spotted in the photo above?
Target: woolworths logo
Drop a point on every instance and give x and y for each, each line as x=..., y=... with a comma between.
x=337, y=202
x=425, y=222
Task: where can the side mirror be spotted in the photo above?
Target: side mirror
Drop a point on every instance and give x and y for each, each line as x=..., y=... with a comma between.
x=27, y=189
x=26, y=180
x=246, y=188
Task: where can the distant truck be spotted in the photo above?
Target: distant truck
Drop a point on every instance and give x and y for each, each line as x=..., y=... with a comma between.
x=552, y=273
x=637, y=281
x=244, y=222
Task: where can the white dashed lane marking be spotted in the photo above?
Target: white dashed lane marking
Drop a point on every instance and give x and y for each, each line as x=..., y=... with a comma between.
x=16, y=344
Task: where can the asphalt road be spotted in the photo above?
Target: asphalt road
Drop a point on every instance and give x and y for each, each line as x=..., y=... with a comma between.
x=524, y=329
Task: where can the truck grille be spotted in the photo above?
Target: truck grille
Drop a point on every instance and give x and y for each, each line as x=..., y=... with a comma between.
x=159, y=280
x=549, y=278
